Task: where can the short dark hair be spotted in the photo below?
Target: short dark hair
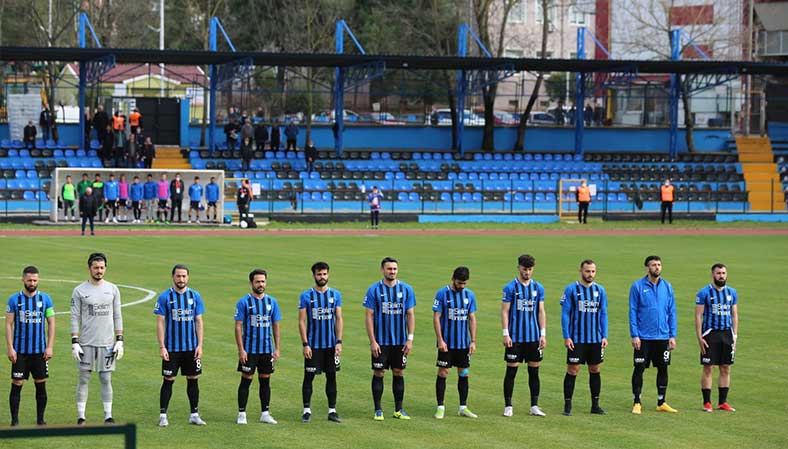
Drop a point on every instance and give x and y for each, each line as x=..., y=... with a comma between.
x=180, y=266
x=29, y=270
x=98, y=175
x=136, y=177
x=718, y=265
x=526, y=261
x=319, y=266
x=97, y=257
x=256, y=272
x=196, y=178
x=212, y=178
x=84, y=174
x=388, y=260
x=150, y=175
x=649, y=259
x=461, y=274
x=587, y=262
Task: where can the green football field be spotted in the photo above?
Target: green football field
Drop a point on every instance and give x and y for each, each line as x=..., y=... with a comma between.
x=219, y=269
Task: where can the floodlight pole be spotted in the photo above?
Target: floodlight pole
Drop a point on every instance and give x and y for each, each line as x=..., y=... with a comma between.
x=82, y=79
x=580, y=92
x=675, y=90
x=339, y=89
x=459, y=116
x=212, y=88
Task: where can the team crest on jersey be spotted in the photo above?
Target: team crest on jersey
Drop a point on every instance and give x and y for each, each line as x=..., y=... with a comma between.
x=41, y=303
x=465, y=301
x=596, y=294
x=331, y=300
x=533, y=293
x=190, y=301
x=730, y=298
x=399, y=295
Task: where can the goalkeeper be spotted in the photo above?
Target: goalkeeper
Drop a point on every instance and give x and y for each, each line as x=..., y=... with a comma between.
x=96, y=334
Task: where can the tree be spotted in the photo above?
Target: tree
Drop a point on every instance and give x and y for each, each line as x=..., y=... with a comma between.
x=555, y=85
x=648, y=35
x=520, y=141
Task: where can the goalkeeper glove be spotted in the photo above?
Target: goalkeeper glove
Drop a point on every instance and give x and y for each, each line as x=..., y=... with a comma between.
x=76, y=351
x=118, y=349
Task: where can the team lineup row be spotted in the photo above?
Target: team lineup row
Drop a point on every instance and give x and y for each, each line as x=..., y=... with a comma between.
x=97, y=336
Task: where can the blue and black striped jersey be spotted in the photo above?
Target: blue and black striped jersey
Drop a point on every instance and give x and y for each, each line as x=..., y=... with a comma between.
x=524, y=310
x=584, y=313
x=717, y=307
x=179, y=311
x=257, y=315
x=320, y=316
x=389, y=306
x=455, y=309
x=30, y=314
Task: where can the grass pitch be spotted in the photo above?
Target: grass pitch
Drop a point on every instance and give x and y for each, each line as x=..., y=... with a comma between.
x=219, y=268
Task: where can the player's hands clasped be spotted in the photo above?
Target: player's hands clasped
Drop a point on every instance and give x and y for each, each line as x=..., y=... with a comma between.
x=77, y=352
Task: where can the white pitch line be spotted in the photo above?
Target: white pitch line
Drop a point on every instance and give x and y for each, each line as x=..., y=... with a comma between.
x=149, y=294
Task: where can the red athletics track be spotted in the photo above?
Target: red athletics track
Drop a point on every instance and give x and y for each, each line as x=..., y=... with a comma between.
x=133, y=232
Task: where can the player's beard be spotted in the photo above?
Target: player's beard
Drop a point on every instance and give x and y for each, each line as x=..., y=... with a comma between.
x=97, y=277
x=31, y=288
x=654, y=273
x=720, y=282
x=588, y=279
x=180, y=285
x=321, y=282
x=258, y=290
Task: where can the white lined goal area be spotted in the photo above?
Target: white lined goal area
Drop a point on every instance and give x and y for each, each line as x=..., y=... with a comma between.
x=567, y=196
x=59, y=178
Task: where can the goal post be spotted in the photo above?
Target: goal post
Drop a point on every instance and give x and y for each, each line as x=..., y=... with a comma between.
x=187, y=176
x=567, y=189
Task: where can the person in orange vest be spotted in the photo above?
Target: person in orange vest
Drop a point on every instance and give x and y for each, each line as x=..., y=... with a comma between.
x=666, y=195
x=135, y=120
x=583, y=194
x=119, y=128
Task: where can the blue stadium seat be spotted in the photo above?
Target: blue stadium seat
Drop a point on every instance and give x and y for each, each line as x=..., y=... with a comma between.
x=413, y=196
x=32, y=174
x=622, y=196
x=316, y=196
x=416, y=156
x=445, y=196
x=81, y=153
x=29, y=196
x=402, y=196
x=476, y=196
x=466, y=196
x=539, y=196
x=24, y=153
x=20, y=174
x=3, y=184
x=41, y=195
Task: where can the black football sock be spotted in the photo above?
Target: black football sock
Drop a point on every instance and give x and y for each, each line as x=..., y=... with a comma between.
x=569, y=390
x=706, y=395
x=306, y=388
x=662, y=384
x=41, y=401
x=440, y=389
x=243, y=393
x=462, y=388
x=508, y=384
x=331, y=389
x=595, y=383
x=533, y=384
x=377, y=391
x=265, y=393
x=723, y=392
x=13, y=400
x=398, y=385
x=165, y=394
x=193, y=392
x=637, y=382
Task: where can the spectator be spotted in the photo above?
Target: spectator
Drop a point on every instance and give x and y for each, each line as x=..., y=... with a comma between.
x=244, y=199
x=231, y=133
x=119, y=153
x=30, y=135
x=291, y=133
x=132, y=151
x=149, y=191
x=148, y=153
x=260, y=136
x=195, y=198
x=137, y=195
x=559, y=113
x=374, y=199
x=68, y=193
x=107, y=147
x=244, y=118
x=88, y=126
x=246, y=153
x=135, y=120
x=588, y=114
x=88, y=206
x=310, y=155
x=45, y=121
x=259, y=114
x=176, y=197
x=119, y=129
x=599, y=115
x=275, y=137
x=247, y=131
x=163, y=194
x=100, y=123
x=211, y=197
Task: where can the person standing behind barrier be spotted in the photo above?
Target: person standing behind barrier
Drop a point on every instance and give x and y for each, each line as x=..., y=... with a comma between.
x=374, y=198
x=276, y=139
x=260, y=136
x=29, y=134
x=291, y=133
x=135, y=121
x=653, y=328
x=68, y=195
x=310, y=155
x=247, y=151
x=132, y=151
x=583, y=194
x=163, y=194
x=148, y=153
x=45, y=121
x=137, y=193
x=211, y=197
x=107, y=143
x=29, y=347
x=244, y=199
x=100, y=123
x=666, y=195
x=119, y=130
x=176, y=197
x=149, y=191
x=88, y=206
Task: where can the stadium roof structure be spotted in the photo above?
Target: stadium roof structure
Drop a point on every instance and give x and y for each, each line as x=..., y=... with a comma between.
x=410, y=62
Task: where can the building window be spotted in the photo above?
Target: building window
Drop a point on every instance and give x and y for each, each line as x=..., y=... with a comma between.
x=550, y=11
x=548, y=55
x=576, y=15
x=517, y=13
x=513, y=53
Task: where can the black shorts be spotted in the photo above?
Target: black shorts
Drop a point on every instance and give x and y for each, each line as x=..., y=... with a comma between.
x=185, y=361
x=523, y=352
x=652, y=352
x=162, y=204
x=720, y=350
x=194, y=205
x=322, y=361
x=123, y=202
x=27, y=364
x=263, y=363
x=390, y=357
x=454, y=357
x=591, y=353
x=135, y=204
x=211, y=203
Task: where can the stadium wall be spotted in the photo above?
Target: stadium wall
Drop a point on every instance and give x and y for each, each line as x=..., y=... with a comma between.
x=439, y=138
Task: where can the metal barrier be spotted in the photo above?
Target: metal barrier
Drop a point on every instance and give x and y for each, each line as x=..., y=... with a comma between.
x=129, y=432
